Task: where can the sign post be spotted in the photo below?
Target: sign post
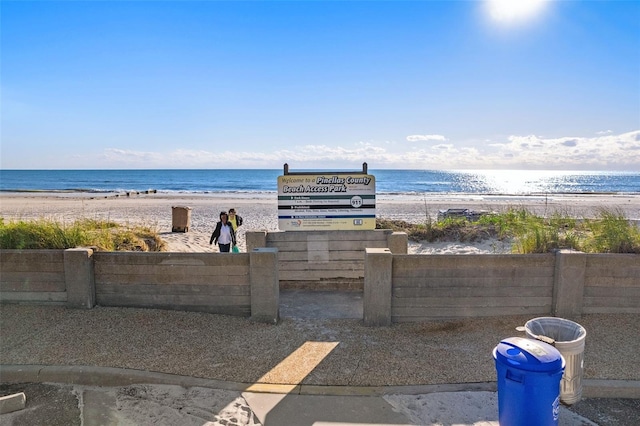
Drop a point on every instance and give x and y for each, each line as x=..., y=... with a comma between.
x=329, y=201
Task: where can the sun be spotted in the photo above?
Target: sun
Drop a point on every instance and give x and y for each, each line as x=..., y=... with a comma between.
x=514, y=10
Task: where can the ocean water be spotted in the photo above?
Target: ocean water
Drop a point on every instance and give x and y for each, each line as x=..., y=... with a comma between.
x=504, y=182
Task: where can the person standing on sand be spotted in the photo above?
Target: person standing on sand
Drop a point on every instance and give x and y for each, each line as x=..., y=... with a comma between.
x=223, y=235
x=234, y=219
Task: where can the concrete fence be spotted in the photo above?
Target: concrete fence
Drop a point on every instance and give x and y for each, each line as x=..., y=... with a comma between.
x=404, y=288
x=208, y=282
x=397, y=287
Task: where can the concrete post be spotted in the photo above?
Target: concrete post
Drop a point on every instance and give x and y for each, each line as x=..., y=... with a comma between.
x=255, y=239
x=568, y=284
x=398, y=242
x=377, y=286
x=79, y=278
x=265, y=285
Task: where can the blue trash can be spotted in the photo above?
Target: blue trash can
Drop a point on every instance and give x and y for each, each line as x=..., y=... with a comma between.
x=529, y=373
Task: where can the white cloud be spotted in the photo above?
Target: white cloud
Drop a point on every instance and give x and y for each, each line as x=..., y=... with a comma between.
x=621, y=152
x=418, y=138
x=444, y=146
x=603, y=152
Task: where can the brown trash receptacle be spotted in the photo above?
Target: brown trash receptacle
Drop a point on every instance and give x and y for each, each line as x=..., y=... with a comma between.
x=181, y=218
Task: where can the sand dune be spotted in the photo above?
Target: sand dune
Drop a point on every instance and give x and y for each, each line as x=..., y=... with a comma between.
x=260, y=213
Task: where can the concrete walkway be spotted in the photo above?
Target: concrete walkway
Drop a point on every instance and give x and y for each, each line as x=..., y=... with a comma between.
x=157, y=400
x=138, y=366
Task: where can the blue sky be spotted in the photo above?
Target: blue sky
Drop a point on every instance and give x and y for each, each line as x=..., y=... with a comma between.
x=320, y=85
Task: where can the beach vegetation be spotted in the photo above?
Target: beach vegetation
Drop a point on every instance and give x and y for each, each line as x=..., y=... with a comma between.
x=609, y=232
x=450, y=229
x=98, y=234
x=612, y=233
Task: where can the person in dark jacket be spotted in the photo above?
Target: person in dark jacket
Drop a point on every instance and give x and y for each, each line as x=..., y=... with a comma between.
x=223, y=235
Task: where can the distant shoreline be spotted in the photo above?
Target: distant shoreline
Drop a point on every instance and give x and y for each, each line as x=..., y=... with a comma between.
x=261, y=183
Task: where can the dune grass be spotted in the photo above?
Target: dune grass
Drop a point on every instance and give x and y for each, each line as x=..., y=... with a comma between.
x=609, y=232
x=102, y=235
x=612, y=234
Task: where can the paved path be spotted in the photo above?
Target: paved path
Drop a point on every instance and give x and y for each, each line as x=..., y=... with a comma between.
x=305, y=370
x=194, y=404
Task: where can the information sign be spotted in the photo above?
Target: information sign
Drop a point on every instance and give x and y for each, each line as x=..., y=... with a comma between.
x=326, y=201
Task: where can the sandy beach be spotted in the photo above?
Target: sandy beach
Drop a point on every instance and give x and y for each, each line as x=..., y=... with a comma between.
x=260, y=213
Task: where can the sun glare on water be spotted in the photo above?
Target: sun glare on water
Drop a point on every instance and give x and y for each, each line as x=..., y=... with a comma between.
x=528, y=182
x=514, y=10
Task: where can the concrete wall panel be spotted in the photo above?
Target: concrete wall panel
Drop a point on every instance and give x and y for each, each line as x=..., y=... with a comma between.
x=612, y=283
x=208, y=282
x=452, y=286
x=32, y=276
